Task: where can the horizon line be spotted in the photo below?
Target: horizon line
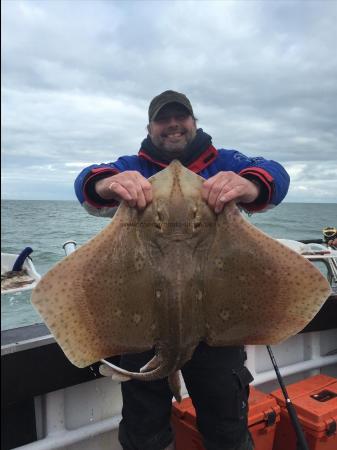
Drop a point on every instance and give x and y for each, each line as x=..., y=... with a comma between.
x=76, y=201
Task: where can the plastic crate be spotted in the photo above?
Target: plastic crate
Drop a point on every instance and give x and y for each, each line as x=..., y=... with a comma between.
x=315, y=401
x=264, y=414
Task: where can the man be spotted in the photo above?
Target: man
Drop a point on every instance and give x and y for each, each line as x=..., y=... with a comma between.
x=216, y=378
x=333, y=243
x=330, y=236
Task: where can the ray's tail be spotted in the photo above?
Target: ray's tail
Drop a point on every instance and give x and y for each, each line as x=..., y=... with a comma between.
x=153, y=370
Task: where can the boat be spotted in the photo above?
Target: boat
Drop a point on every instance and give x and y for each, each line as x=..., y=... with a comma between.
x=47, y=403
x=18, y=272
x=317, y=252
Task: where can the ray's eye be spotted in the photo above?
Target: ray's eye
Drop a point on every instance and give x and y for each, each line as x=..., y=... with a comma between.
x=196, y=219
x=159, y=220
x=197, y=223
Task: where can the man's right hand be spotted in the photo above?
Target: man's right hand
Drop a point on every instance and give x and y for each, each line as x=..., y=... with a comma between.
x=130, y=186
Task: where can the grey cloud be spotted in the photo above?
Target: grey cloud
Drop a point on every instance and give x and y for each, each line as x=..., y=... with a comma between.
x=78, y=77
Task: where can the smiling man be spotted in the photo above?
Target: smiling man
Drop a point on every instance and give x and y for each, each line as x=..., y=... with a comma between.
x=172, y=129
x=216, y=378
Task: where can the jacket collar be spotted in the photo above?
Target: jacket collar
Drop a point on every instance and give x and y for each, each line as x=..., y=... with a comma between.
x=198, y=155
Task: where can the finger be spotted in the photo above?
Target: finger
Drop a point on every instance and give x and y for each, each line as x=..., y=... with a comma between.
x=119, y=191
x=221, y=199
x=138, y=186
x=215, y=192
x=133, y=188
x=122, y=193
x=146, y=187
x=214, y=184
x=141, y=201
x=225, y=197
x=206, y=188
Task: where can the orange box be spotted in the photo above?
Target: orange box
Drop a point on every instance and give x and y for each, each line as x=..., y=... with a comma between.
x=264, y=413
x=315, y=401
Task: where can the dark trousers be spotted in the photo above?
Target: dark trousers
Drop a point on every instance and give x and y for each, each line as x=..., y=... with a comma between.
x=218, y=384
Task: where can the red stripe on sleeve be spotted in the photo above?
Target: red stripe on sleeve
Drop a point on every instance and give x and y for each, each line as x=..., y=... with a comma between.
x=94, y=173
x=266, y=179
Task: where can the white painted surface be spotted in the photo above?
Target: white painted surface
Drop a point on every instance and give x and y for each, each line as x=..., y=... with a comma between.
x=86, y=416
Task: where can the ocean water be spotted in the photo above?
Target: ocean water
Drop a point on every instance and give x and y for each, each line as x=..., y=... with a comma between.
x=46, y=225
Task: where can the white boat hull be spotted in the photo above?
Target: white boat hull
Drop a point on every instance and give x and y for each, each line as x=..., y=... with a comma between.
x=86, y=416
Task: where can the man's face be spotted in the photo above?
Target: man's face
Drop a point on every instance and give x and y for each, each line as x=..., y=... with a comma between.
x=172, y=130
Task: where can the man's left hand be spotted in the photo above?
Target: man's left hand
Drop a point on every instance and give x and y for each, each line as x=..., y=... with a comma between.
x=226, y=186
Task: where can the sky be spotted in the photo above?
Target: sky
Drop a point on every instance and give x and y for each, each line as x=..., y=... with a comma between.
x=78, y=76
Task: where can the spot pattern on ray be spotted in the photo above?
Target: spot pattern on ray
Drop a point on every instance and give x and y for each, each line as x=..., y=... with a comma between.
x=173, y=275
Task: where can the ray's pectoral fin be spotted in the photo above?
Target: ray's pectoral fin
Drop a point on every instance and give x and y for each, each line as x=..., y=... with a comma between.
x=98, y=302
x=257, y=290
x=153, y=364
x=114, y=372
x=108, y=369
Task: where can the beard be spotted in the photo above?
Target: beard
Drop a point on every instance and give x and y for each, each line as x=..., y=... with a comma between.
x=173, y=142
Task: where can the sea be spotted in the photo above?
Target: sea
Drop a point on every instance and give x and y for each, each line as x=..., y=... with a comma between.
x=46, y=225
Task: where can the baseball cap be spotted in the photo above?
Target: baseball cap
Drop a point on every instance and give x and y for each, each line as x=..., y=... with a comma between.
x=168, y=97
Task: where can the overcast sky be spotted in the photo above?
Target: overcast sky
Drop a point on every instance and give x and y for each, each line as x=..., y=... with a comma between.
x=78, y=75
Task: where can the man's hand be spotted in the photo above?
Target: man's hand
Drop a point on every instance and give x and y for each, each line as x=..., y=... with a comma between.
x=226, y=186
x=130, y=186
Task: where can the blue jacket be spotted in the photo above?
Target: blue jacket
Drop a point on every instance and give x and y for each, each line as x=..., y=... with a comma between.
x=272, y=177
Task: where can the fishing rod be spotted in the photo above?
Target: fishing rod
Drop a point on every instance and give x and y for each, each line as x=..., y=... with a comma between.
x=301, y=441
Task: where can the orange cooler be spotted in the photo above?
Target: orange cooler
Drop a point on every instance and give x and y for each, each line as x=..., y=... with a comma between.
x=264, y=413
x=315, y=401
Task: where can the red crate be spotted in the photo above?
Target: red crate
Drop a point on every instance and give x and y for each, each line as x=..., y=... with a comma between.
x=315, y=401
x=264, y=413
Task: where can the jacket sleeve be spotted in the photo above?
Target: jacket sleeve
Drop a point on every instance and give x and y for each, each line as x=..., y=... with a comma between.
x=85, y=188
x=271, y=176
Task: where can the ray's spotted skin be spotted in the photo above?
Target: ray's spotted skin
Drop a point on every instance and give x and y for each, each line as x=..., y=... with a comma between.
x=171, y=276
